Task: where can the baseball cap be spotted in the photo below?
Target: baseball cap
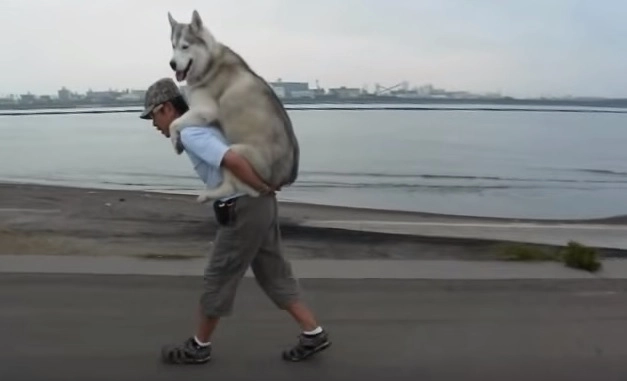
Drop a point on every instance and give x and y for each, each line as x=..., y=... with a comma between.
x=159, y=92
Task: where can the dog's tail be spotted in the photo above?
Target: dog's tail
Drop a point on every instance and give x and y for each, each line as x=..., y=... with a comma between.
x=289, y=130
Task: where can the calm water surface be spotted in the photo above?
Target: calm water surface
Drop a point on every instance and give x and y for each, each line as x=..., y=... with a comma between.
x=512, y=164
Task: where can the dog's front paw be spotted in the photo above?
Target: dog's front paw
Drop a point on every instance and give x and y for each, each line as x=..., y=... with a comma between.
x=175, y=136
x=178, y=147
x=175, y=139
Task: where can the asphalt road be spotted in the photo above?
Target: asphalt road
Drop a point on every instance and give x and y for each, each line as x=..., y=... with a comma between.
x=103, y=327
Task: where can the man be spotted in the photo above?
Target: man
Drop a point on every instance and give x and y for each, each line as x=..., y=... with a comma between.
x=248, y=235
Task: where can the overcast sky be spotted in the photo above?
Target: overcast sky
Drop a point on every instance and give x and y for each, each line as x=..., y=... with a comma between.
x=518, y=47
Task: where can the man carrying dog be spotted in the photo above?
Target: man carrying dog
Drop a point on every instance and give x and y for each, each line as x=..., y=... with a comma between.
x=248, y=235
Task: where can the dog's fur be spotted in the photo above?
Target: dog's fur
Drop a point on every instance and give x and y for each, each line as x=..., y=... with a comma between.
x=223, y=90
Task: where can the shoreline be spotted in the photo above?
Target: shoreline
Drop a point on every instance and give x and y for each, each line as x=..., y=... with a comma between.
x=58, y=220
x=81, y=111
x=321, y=210
x=608, y=103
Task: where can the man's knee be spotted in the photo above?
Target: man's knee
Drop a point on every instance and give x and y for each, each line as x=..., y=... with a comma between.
x=218, y=296
x=220, y=283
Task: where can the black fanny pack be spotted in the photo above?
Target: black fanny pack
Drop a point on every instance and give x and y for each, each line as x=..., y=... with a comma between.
x=224, y=211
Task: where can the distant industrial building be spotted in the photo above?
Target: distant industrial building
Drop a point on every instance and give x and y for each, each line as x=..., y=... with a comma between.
x=64, y=94
x=345, y=92
x=28, y=98
x=102, y=96
x=132, y=95
x=292, y=90
x=7, y=101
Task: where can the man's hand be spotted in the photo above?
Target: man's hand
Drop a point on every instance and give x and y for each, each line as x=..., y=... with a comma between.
x=267, y=189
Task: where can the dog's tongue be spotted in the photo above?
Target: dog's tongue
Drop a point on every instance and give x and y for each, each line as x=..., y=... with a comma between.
x=180, y=75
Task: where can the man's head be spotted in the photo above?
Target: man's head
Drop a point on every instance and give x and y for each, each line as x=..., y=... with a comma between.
x=163, y=103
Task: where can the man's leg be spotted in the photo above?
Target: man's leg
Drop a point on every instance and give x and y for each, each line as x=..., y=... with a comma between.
x=206, y=326
x=274, y=275
x=303, y=315
x=235, y=247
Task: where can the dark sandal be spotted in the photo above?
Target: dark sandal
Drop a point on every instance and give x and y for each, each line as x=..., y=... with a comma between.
x=307, y=346
x=185, y=353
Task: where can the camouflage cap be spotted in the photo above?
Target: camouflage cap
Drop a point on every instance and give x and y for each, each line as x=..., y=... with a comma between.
x=161, y=91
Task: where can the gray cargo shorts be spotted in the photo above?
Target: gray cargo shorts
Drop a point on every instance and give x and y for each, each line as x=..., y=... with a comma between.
x=250, y=238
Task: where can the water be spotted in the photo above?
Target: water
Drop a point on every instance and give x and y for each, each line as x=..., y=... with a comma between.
x=508, y=163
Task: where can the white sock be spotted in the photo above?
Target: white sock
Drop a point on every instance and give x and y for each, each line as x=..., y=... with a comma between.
x=200, y=343
x=314, y=332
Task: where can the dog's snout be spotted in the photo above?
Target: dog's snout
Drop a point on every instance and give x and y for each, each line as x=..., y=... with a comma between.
x=173, y=65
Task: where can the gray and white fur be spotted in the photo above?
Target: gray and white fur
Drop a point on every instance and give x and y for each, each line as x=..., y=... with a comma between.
x=224, y=90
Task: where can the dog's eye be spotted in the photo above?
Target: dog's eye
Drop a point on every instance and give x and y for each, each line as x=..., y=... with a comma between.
x=184, y=47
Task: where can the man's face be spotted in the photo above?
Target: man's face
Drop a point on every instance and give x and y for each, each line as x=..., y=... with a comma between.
x=162, y=116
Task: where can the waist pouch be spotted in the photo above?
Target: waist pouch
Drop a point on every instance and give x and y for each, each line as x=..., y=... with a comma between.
x=224, y=211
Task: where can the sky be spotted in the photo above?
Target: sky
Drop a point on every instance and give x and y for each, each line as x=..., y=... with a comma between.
x=522, y=48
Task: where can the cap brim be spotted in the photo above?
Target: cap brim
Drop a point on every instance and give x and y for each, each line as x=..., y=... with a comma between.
x=146, y=113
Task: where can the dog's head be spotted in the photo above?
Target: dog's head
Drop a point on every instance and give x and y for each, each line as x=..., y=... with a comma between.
x=192, y=47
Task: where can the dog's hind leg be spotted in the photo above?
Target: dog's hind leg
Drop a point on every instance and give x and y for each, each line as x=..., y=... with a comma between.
x=230, y=185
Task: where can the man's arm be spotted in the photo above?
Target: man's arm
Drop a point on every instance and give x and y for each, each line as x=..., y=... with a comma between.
x=206, y=144
x=242, y=169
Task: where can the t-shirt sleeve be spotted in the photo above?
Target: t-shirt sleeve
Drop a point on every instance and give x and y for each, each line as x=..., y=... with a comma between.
x=204, y=143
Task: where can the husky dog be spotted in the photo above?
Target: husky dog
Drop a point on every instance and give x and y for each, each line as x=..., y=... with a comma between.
x=222, y=89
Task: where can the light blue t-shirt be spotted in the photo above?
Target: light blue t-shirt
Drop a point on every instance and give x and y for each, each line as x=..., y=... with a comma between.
x=206, y=147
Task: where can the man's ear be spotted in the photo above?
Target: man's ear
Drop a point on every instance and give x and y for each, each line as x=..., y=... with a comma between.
x=169, y=108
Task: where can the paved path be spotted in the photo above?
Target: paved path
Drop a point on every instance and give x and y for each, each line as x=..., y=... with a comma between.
x=90, y=327
x=316, y=268
x=598, y=235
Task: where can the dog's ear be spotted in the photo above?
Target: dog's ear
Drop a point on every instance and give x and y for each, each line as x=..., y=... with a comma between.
x=172, y=20
x=196, y=21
